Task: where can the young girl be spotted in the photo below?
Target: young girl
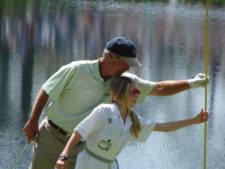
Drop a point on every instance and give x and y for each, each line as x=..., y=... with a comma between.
x=111, y=126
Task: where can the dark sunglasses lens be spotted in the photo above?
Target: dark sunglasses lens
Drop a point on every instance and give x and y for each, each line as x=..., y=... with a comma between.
x=136, y=92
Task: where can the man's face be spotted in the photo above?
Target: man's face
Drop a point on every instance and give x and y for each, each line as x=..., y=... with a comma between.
x=118, y=66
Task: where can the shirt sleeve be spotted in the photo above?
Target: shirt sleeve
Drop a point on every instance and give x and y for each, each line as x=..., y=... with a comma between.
x=57, y=82
x=145, y=86
x=93, y=122
x=147, y=126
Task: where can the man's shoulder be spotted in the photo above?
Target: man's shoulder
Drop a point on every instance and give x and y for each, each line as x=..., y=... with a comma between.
x=83, y=63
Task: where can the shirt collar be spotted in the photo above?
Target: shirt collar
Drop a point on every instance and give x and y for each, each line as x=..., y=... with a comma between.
x=128, y=121
x=96, y=72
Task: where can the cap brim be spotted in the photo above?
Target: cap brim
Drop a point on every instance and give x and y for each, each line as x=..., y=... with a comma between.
x=134, y=62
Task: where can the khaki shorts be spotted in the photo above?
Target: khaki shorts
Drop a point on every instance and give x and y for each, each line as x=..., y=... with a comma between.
x=48, y=146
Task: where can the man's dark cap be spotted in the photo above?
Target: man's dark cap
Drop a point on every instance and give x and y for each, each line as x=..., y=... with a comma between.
x=124, y=47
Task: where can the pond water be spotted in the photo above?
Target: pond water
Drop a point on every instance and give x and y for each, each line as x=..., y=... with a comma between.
x=38, y=37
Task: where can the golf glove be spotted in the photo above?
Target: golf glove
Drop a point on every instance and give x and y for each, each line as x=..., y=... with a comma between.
x=198, y=81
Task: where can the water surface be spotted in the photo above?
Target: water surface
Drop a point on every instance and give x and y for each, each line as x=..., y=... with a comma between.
x=37, y=38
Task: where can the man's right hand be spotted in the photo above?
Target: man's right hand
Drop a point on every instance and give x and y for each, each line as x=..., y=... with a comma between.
x=30, y=130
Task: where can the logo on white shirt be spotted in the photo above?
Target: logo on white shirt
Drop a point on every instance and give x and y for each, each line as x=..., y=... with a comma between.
x=105, y=145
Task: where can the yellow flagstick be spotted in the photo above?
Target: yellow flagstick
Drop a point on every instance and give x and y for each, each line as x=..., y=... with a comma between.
x=206, y=72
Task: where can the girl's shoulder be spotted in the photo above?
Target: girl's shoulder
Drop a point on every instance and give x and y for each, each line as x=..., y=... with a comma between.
x=107, y=108
x=104, y=106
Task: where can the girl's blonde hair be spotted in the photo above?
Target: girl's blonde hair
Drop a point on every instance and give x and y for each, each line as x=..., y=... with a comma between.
x=119, y=91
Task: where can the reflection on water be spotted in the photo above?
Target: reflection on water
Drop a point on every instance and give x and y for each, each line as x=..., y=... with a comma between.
x=36, y=38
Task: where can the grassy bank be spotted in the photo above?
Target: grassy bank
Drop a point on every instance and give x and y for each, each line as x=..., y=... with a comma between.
x=22, y=3
x=211, y=2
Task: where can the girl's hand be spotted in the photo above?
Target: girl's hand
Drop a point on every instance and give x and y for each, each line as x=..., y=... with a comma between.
x=61, y=164
x=201, y=117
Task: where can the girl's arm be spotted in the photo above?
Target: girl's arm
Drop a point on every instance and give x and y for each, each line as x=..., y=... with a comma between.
x=174, y=125
x=63, y=158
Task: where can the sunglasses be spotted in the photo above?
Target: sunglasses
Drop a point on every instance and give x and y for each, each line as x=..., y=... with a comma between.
x=135, y=92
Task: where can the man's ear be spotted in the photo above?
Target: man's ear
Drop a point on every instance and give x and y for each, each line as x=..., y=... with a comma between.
x=112, y=56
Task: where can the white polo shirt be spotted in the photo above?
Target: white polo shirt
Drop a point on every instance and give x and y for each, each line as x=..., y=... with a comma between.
x=106, y=134
x=75, y=89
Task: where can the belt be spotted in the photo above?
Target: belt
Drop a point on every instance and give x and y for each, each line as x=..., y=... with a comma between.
x=102, y=159
x=92, y=154
x=57, y=128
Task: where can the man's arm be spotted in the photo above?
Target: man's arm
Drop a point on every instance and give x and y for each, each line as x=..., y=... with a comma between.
x=31, y=127
x=165, y=88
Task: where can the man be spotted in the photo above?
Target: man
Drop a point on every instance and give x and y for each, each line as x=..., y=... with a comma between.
x=75, y=89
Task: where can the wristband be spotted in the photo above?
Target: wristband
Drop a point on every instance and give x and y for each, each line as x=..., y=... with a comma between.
x=63, y=157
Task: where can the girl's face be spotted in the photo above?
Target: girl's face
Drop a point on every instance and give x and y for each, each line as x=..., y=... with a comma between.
x=133, y=95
